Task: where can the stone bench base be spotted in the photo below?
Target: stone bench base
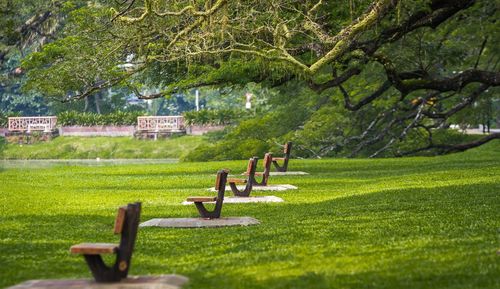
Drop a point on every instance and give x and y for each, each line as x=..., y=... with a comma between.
x=133, y=282
x=199, y=222
x=291, y=173
x=296, y=173
x=240, y=200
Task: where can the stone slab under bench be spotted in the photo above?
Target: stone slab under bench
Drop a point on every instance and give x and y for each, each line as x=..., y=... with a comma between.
x=241, y=200
x=290, y=173
x=199, y=222
x=262, y=188
x=132, y=282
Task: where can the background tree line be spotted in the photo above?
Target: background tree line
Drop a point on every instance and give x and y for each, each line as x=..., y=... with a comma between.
x=341, y=78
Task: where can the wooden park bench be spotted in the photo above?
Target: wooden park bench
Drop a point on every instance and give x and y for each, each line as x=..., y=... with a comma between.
x=126, y=224
x=265, y=174
x=286, y=151
x=220, y=186
x=250, y=173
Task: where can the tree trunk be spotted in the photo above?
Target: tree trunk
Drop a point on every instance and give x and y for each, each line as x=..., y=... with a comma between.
x=86, y=104
x=97, y=103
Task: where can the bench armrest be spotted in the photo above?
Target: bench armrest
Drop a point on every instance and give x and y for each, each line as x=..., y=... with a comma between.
x=237, y=181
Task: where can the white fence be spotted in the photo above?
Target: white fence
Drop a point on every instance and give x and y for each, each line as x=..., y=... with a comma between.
x=160, y=123
x=144, y=124
x=32, y=123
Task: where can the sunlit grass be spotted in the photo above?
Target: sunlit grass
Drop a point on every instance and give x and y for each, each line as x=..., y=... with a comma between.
x=102, y=147
x=385, y=223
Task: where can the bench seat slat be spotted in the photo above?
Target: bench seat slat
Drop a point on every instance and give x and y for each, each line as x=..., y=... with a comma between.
x=279, y=159
x=94, y=248
x=237, y=181
x=201, y=199
x=256, y=173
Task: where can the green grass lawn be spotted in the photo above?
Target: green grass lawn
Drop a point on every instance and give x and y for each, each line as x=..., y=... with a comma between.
x=383, y=223
x=102, y=147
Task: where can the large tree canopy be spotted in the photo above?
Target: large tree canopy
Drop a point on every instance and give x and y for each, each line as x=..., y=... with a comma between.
x=401, y=67
x=25, y=26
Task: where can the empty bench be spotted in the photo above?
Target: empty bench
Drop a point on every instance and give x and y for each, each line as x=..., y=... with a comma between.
x=250, y=173
x=264, y=174
x=287, y=149
x=220, y=186
x=126, y=223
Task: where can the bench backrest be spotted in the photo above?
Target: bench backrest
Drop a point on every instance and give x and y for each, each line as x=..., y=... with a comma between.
x=287, y=148
x=252, y=166
x=131, y=215
x=120, y=220
x=268, y=158
x=218, y=180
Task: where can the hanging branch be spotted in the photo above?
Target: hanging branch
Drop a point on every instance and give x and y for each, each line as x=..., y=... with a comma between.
x=446, y=148
x=353, y=107
x=148, y=8
x=458, y=107
x=415, y=121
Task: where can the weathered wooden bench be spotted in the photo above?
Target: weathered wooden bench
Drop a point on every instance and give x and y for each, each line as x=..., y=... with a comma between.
x=286, y=151
x=220, y=186
x=126, y=224
x=265, y=174
x=250, y=173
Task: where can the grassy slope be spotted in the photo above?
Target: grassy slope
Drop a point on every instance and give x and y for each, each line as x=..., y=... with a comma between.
x=386, y=223
x=102, y=147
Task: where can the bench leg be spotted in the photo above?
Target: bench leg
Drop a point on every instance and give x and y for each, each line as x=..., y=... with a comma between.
x=254, y=181
x=243, y=193
x=204, y=213
x=281, y=168
x=101, y=272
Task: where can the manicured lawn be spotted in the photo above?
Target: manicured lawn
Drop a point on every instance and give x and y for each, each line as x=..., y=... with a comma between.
x=384, y=223
x=102, y=147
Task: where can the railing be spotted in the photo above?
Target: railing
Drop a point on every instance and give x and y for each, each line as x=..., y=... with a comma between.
x=32, y=123
x=160, y=123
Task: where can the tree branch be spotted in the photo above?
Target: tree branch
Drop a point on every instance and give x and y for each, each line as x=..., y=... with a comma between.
x=346, y=36
x=368, y=99
x=445, y=148
x=467, y=101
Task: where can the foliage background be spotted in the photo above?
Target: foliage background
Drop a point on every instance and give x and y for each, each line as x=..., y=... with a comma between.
x=85, y=57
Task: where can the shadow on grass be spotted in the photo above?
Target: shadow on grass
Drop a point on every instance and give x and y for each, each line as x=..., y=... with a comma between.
x=37, y=246
x=372, y=168
x=444, y=237
x=351, y=177
x=410, y=238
